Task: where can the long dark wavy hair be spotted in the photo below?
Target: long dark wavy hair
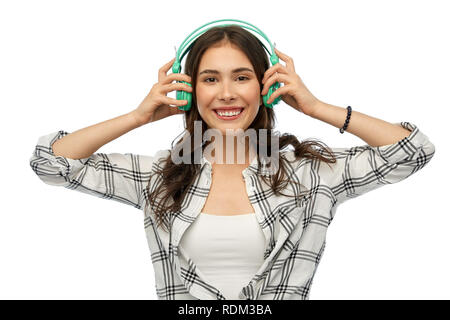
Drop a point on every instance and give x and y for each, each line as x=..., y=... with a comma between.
x=174, y=180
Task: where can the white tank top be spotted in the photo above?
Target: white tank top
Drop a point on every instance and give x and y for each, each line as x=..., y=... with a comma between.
x=227, y=250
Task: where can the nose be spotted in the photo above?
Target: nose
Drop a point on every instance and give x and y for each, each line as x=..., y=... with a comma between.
x=227, y=91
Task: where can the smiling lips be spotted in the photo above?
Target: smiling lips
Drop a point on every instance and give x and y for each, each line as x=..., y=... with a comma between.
x=228, y=114
x=230, y=109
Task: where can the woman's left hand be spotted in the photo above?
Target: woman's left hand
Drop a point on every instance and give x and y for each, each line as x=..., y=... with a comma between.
x=293, y=92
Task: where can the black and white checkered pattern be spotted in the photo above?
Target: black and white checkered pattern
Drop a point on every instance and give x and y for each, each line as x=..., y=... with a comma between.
x=294, y=227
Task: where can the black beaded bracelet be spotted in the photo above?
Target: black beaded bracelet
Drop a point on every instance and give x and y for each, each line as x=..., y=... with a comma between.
x=349, y=113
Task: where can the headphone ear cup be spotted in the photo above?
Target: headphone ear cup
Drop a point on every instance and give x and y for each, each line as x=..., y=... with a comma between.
x=183, y=95
x=271, y=90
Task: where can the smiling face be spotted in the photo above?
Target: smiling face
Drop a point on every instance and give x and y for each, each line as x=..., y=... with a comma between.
x=221, y=85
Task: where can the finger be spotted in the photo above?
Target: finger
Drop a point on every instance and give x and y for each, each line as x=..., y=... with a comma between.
x=289, y=61
x=165, y=89
x=277, y=68
x=178, y=111
x=279, y=77
x=177, y=76
x=175, y=110
x=171, y=102
x=163, y=70
x=277, y=93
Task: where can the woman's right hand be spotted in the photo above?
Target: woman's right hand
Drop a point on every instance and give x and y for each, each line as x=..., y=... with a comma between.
x=156, y=105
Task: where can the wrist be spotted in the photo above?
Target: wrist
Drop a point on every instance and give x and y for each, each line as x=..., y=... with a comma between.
x=137, y=119
x=316, y=109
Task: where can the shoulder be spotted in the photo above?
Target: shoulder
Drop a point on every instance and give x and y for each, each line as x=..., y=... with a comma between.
x=292, y=160
x=159, y=157
x=288, y=155
x=162, y=154
x=303, y=168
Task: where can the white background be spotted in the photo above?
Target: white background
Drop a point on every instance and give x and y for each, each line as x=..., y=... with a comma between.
x=66, y=65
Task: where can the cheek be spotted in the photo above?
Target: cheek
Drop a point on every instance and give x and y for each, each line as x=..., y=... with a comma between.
x=255, y=107
x=256, y=92
x=203, y=94
x=199, y=98
x=254, y=98
x=203, y=99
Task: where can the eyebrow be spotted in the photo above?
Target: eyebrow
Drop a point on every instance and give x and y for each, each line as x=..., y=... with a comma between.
x=233, y=71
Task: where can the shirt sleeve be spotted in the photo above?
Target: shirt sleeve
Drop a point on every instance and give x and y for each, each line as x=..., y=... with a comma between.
x=364, y=168
x=115, y=176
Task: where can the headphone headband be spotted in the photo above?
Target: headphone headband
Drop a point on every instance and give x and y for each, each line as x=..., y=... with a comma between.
x=186, y=45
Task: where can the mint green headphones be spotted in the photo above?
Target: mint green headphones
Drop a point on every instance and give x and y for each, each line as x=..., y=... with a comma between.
x=176, y=68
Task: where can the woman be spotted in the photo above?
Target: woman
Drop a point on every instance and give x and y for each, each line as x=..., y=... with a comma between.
x=233, y=230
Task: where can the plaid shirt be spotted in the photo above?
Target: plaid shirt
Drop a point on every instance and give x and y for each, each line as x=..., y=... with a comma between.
x=294, y=227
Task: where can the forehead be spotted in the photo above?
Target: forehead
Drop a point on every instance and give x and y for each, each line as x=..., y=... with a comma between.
x=224, y=59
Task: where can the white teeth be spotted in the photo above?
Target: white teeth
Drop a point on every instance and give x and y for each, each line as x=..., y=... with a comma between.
x=228, y=114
